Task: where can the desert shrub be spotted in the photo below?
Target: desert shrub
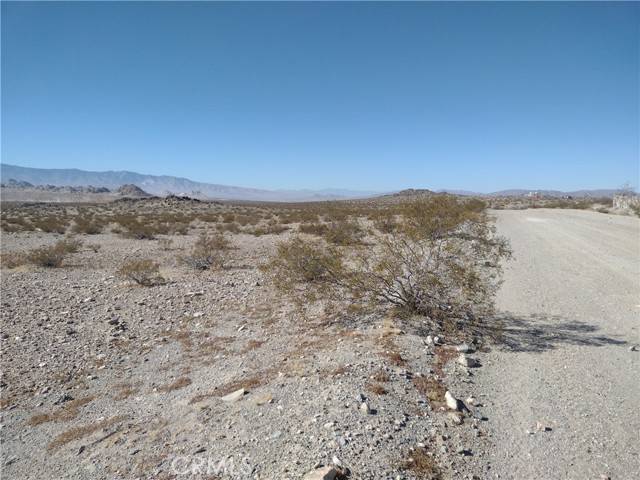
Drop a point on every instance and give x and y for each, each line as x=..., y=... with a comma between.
x=69, y=245
x=319, y=229
x=271, y=228
x=13, y=259
x=142, y=272
x=165, y=243
x=132, y=227
x=251, y=219
x=209, y=217
x=207, y=252
x=305, y=268
x=344, y=232
x=385, y=223
x=50, y=224
x=88, y=225
x=228, y=227
x=16, y=224
x=49, y=257
x=443, y=262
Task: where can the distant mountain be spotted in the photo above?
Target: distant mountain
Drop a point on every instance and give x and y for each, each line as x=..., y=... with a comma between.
x=600, y=193
x=543, y=193
x=166, y=185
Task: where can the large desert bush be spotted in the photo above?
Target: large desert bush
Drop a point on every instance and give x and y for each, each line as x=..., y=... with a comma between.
x=442, y=261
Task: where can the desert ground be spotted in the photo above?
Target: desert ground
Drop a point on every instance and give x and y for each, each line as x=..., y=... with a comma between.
x=562, y=391
x=217, y=374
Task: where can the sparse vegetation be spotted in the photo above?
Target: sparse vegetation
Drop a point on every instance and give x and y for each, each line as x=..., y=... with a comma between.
x=208, y=252
x=142, y=272
x=53, y=256
x=442, y=263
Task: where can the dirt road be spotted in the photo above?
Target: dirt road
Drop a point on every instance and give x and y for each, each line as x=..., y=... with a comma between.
x=571, y=308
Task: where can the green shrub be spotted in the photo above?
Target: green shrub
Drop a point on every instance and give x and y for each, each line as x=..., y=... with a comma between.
x=443, y=262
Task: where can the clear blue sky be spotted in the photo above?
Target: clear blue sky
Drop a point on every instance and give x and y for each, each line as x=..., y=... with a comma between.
x=374, y=96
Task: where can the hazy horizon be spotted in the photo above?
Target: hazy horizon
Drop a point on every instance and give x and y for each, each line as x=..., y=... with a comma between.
x=362, y=96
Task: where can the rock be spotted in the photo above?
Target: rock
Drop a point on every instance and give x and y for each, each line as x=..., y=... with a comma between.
x=455, y=417
x=64, y=398
x=266, y=398
x=364, y=408
x=468, y=361
x=464, y=348
x=540, y=427
x=453, y=403
x=323, y=473
x=198, y=314
x=633, y=348
x=234, y=396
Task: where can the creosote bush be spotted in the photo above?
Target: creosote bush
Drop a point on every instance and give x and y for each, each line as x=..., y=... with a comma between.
x=208, y=252
x=54, y=255
x=442, y=261
x=142, y=272
x=306, y=266
x=344, y=232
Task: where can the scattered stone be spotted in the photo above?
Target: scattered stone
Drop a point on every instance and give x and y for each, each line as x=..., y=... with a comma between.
x=633, y=348
x=266, y=398
x=540, y=427
x=364, y=408
x=64, y=398
x=468, y=362
x=234, y=396
x=464, y=348
x=455, y=417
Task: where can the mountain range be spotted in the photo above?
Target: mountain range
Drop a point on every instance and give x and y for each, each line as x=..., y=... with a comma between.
x=165, y=185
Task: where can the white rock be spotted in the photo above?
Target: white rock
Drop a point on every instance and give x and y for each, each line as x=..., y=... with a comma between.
x=364, y=408
x=324, y=473
x=464, y=348
x=452, y=402
x=198, y=314
x=234, y=396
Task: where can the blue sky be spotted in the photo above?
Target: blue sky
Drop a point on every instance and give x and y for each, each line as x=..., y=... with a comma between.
x=370, y=96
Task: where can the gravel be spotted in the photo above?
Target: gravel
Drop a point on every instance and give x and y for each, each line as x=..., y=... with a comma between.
x=565, y=373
